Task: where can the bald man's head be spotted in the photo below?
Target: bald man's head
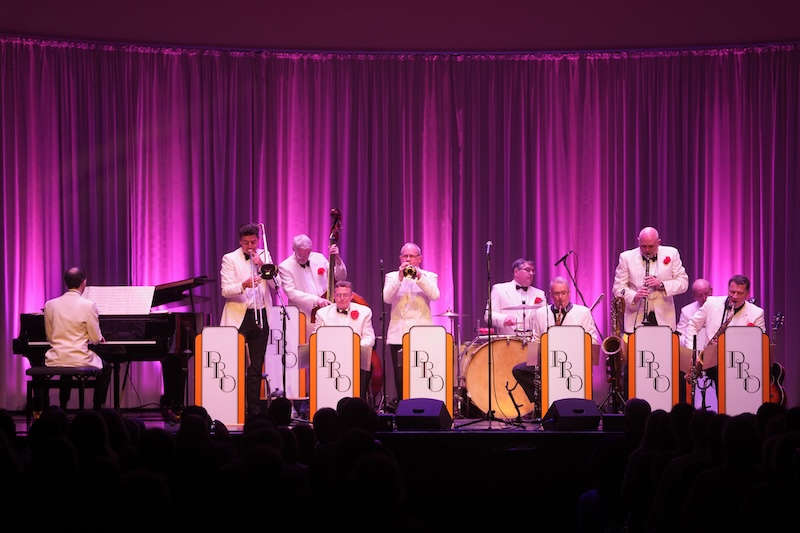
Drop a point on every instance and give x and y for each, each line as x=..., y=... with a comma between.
x=649, y=241
x=701, y=289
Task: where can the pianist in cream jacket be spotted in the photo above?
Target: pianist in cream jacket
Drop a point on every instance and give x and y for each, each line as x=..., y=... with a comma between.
x=71, y=323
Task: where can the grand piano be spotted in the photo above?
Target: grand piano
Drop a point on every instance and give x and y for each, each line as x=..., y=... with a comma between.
x=158, y=336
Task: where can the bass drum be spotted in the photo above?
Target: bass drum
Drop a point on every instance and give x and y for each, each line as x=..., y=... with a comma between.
x=506, y=354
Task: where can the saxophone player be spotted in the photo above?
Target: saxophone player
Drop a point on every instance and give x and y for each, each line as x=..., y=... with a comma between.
x=733, y=310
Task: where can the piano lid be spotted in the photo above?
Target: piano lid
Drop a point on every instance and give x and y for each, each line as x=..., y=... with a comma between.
x=174, y=291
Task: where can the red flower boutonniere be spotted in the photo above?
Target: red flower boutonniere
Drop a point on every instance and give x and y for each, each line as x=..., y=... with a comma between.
x=353, y=314
x=537, y=300
x=321, y=270
x=667, y=260
x=750, y=324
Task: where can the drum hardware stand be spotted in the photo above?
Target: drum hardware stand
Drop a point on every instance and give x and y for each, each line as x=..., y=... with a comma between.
x=703, y=388
x=489, y=415
x=614, y=398
x=455, y=330
x=518, y=419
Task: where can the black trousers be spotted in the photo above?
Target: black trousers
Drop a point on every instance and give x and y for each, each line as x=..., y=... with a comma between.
x=100, y=391
x=526, y=377
x=397, y=364
x=365, y=376
x=256, y=339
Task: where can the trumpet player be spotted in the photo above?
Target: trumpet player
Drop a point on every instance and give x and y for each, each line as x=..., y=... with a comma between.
x=247, y=301
x=409, y=291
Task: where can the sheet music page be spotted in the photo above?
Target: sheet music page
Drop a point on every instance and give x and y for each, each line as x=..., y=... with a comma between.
x=121, y=300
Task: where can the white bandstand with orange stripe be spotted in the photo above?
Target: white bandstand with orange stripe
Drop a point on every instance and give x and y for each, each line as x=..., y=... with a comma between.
x=335, y=353
x=219, y=370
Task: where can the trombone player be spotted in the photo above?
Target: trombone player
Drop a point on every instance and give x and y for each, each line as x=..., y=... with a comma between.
x=247, y=302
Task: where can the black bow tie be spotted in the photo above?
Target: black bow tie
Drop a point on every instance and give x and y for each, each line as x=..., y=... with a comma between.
x=521, y=288
x=343, y=311
x=246, y=256
x=648, y=259
x=303, y=265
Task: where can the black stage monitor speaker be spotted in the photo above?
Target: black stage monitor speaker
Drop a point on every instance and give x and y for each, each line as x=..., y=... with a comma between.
x=613, y=422
x=422, y=413
x=572, y=414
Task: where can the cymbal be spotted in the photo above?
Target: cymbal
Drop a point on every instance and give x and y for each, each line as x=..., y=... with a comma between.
x=523, y=307
x=450, y=314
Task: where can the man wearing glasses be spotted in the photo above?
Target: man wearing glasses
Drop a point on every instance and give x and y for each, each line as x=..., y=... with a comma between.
x=518, y=291
x=410, y=291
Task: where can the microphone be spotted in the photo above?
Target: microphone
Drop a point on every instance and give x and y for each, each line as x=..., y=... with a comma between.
x=563, y=258
x=488, y=247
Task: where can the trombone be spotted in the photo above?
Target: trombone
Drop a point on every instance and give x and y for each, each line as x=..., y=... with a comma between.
x=267, y=271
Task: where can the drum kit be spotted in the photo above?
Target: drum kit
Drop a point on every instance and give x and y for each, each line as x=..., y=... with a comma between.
x=471, y=368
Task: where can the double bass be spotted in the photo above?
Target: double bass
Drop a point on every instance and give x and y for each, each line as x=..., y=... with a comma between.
x=376, y=379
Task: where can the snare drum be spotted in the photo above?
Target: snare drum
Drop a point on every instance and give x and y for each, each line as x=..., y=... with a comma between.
x=507, y=352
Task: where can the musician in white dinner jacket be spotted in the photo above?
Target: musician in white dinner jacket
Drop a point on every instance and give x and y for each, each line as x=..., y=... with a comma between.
x=304, y=274
x=516, y=292
x=345, y=312
x=717, y=309
x=247, y=303
x=701, y=290
x=410, y=298
x=561, y=312
x=647, y=278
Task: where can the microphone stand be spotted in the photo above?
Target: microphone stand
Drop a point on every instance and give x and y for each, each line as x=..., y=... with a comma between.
x=382, y=279
x=572, y=277
x=489, y=415
x=284, y=317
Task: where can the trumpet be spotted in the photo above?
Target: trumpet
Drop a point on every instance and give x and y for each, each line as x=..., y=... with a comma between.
x=410, y=271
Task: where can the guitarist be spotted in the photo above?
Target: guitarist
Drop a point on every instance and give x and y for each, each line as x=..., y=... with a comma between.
x=304, y=275
x=719, y=312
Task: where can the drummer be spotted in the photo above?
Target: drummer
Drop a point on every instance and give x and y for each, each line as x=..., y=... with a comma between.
x=561, y=312
x=519, y=292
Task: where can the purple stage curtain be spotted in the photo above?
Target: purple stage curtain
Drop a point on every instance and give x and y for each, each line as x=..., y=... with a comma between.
x=139, y=163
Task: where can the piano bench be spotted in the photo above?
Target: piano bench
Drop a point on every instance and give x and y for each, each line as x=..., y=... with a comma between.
x=84, y=377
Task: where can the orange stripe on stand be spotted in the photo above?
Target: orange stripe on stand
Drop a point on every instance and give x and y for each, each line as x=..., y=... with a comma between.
x=406, y=375
x=242, y=384
x=587, y=365
x=449, y=374
x=721, y=384
x=676, y=369
x=545, y=372
x=198, y=369
x=301, y=337
x=765, y=359
x=356, y=365
x=632, y=365
x=312, y=368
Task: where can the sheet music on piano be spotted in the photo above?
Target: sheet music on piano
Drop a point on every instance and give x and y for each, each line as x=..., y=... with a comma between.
x=121, y=300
